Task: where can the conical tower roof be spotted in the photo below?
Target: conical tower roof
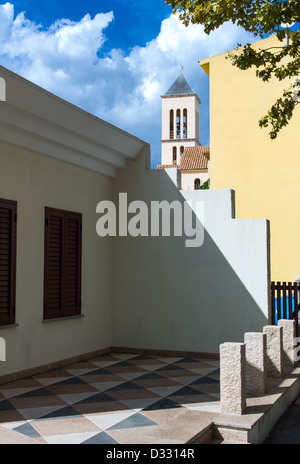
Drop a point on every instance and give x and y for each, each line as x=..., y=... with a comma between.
x=179, y=87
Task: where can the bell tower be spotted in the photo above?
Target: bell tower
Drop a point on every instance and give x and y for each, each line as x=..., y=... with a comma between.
x=180, y=121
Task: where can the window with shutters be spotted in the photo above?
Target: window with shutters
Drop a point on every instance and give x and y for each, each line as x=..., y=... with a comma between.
x=62, y=278
x=8, y=240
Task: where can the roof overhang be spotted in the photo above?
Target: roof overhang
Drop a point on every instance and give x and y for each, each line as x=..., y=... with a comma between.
x=204, y=65
x=267, y=42
x=37, y=120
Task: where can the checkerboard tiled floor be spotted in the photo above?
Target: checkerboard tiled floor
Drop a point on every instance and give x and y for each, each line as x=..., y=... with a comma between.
x=111, y=399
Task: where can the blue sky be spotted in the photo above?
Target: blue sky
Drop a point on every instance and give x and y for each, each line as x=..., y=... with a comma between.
x=112, y=58
x=135, y=22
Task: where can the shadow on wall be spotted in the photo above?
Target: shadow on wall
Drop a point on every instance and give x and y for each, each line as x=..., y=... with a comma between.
x=167, y=296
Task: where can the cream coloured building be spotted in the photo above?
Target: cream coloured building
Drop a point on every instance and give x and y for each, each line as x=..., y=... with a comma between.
x=264, y=173
x=180, y=143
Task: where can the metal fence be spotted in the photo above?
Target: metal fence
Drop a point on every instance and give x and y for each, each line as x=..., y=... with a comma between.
x=285, y=301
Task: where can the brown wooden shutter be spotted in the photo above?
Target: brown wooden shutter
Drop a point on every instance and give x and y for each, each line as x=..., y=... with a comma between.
x=53, y=264
x=62, y=292
x=8, y=240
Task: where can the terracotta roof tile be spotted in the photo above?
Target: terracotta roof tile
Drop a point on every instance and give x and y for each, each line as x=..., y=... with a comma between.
x=195, y=158
x=166, y=166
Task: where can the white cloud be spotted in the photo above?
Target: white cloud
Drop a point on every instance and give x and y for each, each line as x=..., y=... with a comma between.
x=124, y=89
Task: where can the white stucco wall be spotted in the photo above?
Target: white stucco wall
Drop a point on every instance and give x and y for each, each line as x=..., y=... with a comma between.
x=36, y=181
x=144, y=292
x=169, y=297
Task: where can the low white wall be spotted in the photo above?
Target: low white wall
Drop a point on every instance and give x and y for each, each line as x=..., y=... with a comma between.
x=170, y=297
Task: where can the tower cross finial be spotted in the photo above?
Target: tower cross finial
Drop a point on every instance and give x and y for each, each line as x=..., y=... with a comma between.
x=181, y=68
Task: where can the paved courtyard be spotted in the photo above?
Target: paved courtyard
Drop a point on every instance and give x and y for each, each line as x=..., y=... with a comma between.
x=112, y=399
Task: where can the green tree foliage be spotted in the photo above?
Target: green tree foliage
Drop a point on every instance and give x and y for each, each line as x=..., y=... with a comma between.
x=260, y=18
x=205, y=185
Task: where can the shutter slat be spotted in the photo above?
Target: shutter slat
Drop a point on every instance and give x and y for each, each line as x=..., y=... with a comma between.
x=8, y=210
x=72, y=287
x=53, y=266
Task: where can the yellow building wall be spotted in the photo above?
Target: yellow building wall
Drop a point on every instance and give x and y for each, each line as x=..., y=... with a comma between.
x=264, y=173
